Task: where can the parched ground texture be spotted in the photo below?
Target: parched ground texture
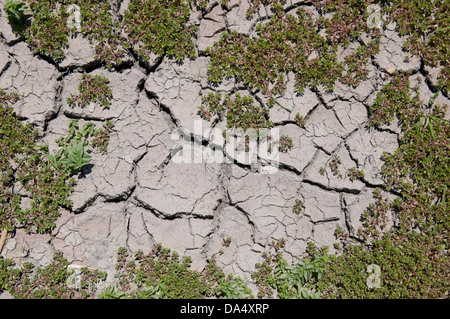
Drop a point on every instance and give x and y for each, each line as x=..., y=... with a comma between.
x=135, y=195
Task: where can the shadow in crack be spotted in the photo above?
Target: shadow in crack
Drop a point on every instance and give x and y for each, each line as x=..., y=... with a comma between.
x=85, y=170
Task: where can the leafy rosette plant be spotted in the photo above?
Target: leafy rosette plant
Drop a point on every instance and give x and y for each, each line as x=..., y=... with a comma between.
x=17, y=14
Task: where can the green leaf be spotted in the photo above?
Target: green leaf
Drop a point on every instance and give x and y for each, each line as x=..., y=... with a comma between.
x=431, y=129
x=443, y=195
x=112, y=292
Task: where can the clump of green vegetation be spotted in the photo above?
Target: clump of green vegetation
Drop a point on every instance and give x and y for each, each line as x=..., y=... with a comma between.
x=285, y=143
x=24, y=161
x=162, y=274
x=414, y=255
x=159, y=27
x=298, y=207
x=394, y=99
x=203, y=4
x=73, y=154
x=232, y=288
x=299, y=120
x=227, y=241
x=297, y=281
x=243, y=113
x=97, y=24
x=161, y=270
x=412, y=266
x=348, y=21
x=244, y=118
x=423, y=157
x=48, y=33
x=283, y=44
x=375, y=218
x=426, y=25
x=322, y=171
x=17, y=14
x=50, y=282
x=211, y=105
x=354, y=174
x=334, y=166
x=275, y=5
x=356, y=63
x=93, y=89
x=224, y=286
x=101, y=136
x=46, y=179
x=289, y=43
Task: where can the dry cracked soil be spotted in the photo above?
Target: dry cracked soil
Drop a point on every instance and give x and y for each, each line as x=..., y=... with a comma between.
x=136, y=194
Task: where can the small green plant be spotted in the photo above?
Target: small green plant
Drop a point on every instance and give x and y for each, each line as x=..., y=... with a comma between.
x=322, y=171
x=227, y=242
x=101, y=136
x=74, y=151
x=76, y=155
x=17, y=14
x=93, y=89
x=285, y=143
x=211, y=105
x=298, y=207
x=73, y=154
x=355, y=174
x=232, y=288
x=242, y=113
x=342, y=235
x=244, y=118
x=112, y=292
x=299, y=120
x=334, y=166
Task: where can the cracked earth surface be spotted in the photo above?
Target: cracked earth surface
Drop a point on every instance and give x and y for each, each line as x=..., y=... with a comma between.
x=135, y=195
